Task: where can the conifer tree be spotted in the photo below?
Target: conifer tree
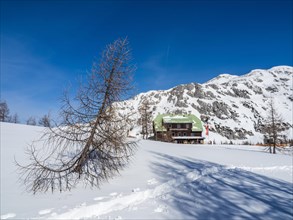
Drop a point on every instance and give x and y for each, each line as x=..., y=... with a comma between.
x=145, y=119
x=274, y=126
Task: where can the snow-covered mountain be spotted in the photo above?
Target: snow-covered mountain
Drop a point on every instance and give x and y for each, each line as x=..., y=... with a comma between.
x=236, y=105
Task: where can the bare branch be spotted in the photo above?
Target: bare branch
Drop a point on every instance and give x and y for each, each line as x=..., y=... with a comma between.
x=90, y=143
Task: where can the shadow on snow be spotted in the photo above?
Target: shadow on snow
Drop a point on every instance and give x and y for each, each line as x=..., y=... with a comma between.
x=205, y=190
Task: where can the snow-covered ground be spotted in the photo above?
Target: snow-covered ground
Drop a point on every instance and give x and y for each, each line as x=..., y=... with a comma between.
x=164, y=180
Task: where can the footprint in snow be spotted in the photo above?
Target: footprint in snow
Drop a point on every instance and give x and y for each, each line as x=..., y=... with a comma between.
x=160, y=209
x=45, y=211
x=152, y=181
x=136, y=190
x=194, y=175
x=113, y=194
x=82, y=204
x=208, y=180
x=99, y=198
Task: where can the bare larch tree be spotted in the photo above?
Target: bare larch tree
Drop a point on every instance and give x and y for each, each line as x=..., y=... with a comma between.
x=14, y=119
x=4, y=112
x=145, y=118
x=90, y=143
x=45, y=121
x=31, y=121
x=274, y=126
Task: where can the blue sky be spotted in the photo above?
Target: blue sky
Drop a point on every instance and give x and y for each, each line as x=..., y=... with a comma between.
x=46, y=45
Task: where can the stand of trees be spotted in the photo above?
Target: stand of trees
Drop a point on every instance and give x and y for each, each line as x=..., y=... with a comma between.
x=31, y=121
x=45, y=121
x=90, y=143
x=5, y=116
x=4, y=112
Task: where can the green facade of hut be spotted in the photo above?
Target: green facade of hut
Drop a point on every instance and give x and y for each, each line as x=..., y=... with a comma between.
x=178, y=128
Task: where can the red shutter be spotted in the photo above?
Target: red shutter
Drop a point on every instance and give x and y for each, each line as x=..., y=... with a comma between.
x=207, y=129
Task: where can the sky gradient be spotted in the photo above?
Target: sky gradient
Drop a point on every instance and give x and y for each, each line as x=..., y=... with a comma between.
x=47, y=45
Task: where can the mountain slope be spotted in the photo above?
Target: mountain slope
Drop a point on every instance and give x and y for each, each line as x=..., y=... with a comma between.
x=236, y=105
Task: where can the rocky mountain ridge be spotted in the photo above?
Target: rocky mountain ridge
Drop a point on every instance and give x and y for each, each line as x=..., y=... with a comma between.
x=235, y=105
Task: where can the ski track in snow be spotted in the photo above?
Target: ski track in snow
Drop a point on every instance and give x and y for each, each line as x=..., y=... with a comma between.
x=272, y=168
x=103, y=208
x=119, y=202
x=137, y=197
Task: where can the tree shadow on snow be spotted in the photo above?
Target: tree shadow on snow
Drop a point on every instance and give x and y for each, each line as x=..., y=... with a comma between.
x=204, y=190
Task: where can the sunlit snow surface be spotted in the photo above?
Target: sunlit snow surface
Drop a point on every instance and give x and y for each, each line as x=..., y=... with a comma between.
x=165, y=181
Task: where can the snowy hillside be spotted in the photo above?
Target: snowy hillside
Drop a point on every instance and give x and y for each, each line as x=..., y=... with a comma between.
x=163, y=181
x=236, y=105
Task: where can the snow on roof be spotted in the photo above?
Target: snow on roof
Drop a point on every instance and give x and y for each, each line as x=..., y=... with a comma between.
x=168, y=118
x=177, y=119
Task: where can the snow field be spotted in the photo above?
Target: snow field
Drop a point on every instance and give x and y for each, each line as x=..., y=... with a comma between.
x=163, y=181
